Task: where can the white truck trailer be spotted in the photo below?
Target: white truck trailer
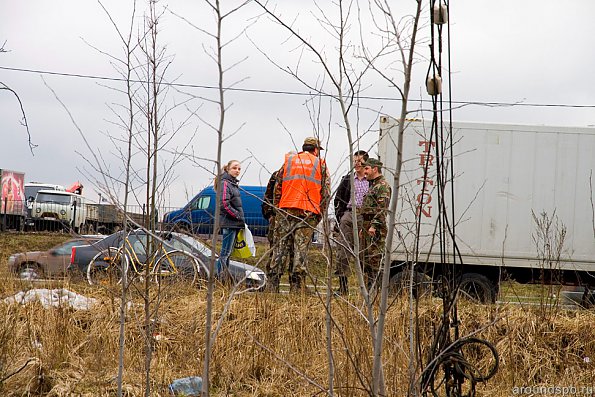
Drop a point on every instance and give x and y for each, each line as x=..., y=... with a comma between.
x=523, y=202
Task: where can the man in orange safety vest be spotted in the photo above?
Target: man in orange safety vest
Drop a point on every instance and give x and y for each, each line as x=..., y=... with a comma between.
x=302, y=195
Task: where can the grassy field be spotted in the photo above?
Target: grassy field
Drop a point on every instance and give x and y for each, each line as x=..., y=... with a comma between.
x=268, y=344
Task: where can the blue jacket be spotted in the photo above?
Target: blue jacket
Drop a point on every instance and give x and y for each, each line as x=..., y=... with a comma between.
x=231, y=214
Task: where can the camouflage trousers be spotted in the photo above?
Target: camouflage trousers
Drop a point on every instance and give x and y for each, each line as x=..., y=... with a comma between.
x=271, y=238
x=371, y=254
x=293, y=235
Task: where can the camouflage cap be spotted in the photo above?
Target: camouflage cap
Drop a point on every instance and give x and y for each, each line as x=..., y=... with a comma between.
x=313, y=141
x=372, y=162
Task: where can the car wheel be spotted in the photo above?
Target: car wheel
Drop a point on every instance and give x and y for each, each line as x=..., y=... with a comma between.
x=30, y=271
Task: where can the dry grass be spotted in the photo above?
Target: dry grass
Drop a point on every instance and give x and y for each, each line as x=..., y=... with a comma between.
x=265, y=340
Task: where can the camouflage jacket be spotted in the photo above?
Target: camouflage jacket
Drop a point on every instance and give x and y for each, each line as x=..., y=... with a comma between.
x=375, y=205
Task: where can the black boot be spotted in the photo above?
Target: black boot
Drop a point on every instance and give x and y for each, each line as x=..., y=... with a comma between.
x=343, y=286
x=273, y=283
x=297, y=284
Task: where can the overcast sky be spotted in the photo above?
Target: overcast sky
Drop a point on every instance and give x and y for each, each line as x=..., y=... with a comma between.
x=508, y=52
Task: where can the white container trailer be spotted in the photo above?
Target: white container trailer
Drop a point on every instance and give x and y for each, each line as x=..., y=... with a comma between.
x=508, y=179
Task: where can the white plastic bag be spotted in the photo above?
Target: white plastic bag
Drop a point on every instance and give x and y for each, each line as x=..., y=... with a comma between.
x=244, y=246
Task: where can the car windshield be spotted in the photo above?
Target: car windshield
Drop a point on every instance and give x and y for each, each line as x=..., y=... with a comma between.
x=31, y=191
x=52, y=198
x=66, y=248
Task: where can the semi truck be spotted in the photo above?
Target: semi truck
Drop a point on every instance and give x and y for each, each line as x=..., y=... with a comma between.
x=12, y=206
x=518, y=200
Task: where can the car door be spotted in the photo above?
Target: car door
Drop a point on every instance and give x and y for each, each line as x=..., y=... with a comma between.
x=202, y=210
x=57, y=259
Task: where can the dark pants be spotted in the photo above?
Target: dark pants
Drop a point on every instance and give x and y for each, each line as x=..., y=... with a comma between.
x=345, y=239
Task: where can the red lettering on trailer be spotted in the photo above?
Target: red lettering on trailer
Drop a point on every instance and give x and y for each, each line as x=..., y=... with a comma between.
x=425, y=198
x=424, y=186
x=426, y=158
x=427, y=211
x=427, y=145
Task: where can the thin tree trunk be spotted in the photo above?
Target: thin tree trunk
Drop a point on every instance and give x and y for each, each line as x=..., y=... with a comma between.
x=209, y=341
x=378, y=387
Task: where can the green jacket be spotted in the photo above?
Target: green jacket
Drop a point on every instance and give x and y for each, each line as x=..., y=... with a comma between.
x=375, y=205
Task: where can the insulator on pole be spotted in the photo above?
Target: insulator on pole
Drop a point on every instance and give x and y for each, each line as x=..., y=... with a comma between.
x=434, y=85
x=440, y=14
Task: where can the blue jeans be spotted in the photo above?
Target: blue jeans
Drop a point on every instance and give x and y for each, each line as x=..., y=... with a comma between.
x=229, y=239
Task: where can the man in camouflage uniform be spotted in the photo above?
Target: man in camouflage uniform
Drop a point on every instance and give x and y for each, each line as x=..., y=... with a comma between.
x=302, y=194
x=374, y=229
x=269, y=212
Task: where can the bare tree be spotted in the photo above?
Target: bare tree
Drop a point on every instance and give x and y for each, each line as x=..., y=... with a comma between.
x=4, y=87
x=401, y=43
x=127, y=45
x=216, y=54
x=344, y=81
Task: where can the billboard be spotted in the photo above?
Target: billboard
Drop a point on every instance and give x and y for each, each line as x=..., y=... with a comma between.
x=13, y=192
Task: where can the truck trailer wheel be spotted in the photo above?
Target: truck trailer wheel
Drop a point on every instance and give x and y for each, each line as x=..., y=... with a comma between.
x=399, y=284
x=478, y=288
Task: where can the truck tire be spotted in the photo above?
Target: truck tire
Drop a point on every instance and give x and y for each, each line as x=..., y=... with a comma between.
x=477, y=288
x=399, y=284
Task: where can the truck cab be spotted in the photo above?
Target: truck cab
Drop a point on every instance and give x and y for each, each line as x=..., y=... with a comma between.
x=54, y=209
x=31, y=189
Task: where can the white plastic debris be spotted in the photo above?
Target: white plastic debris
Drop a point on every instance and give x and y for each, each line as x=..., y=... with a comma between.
x=52, y=298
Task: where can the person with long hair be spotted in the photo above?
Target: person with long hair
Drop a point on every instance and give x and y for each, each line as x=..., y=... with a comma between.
x=231, y=213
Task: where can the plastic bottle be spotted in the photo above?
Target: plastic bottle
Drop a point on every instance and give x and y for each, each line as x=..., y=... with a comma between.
x=190, y=386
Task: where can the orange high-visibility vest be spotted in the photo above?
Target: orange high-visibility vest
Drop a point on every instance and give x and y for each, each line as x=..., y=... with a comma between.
x=302, y=182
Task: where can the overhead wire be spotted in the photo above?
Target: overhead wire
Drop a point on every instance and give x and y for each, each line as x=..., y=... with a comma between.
x=296, y=93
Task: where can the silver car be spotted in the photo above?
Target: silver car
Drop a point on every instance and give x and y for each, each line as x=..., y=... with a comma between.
x=137, y=240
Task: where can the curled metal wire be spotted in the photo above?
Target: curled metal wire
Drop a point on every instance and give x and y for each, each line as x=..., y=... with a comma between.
x=456, y=369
